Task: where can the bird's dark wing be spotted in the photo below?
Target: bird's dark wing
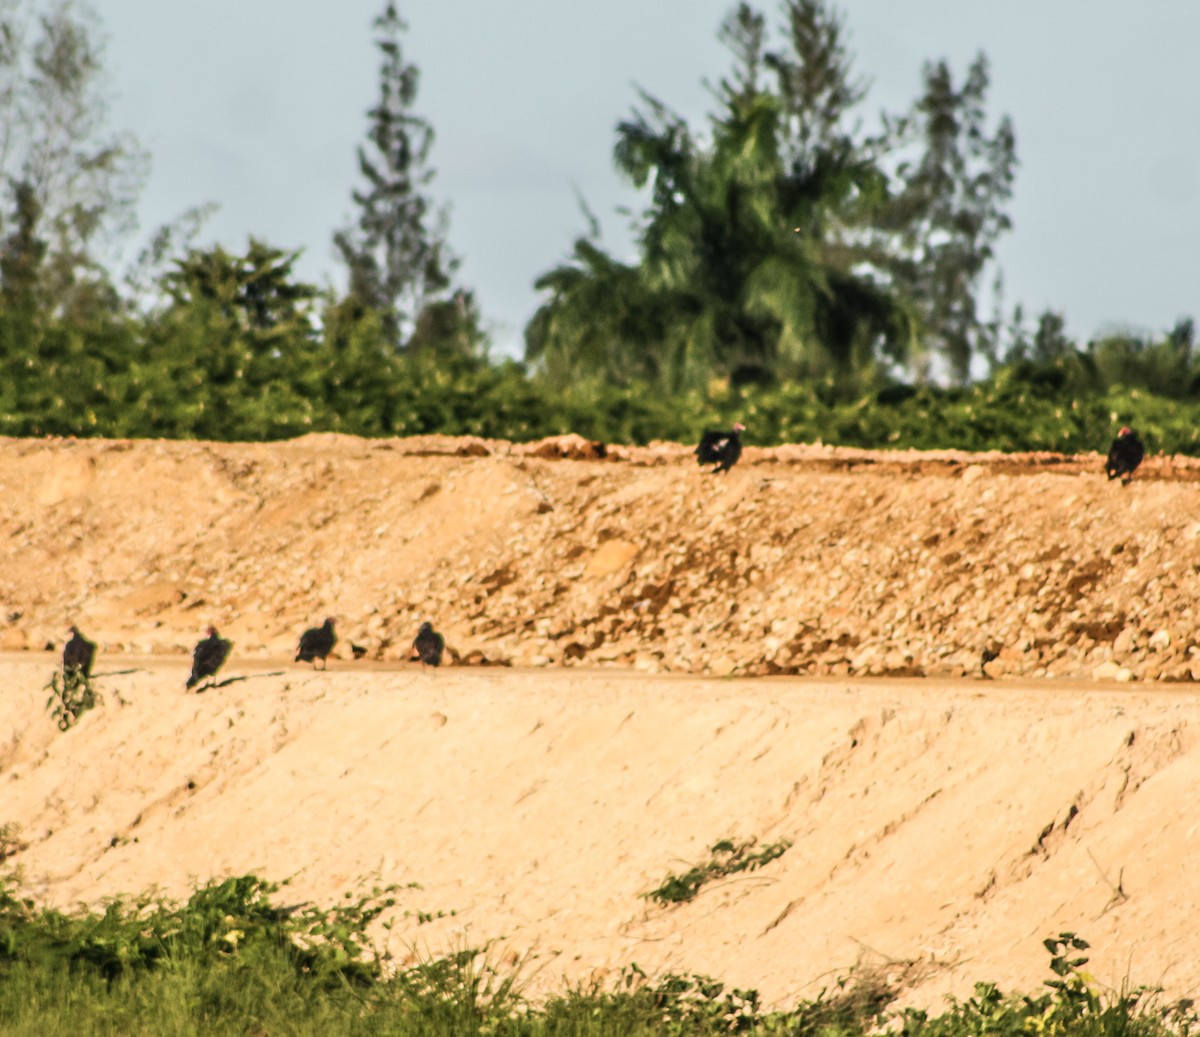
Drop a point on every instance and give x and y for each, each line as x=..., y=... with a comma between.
x=200, y=661
x=309, y=645
x=711, y=446
x=1112, y=465
x=78, y=654
x=1136, y=452
x=209, y=657
x=731, y=450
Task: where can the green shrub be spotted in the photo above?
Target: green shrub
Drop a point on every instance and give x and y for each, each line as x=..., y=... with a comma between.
x=71, y=695
x=230, y=961
x=727, y=858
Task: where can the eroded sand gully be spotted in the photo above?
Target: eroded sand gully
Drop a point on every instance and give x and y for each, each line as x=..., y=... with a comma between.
x=947, y=820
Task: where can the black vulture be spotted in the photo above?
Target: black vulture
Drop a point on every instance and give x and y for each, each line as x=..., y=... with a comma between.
x=316, y=643
x=209, y=657
x=428, y=646
x=1124, y=455
x=78, y=654
x=721, y=448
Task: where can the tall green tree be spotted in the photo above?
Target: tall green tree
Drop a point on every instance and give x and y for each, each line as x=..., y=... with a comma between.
x=60, y=163
x=234, y=353
x=956, y=176
x=786, y=243
x=395, y=253
x=24, y=252
x=746, y=269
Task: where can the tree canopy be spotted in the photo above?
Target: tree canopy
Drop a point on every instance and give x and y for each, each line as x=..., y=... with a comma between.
x=68, y=182
x=398, y=263
x=786, y=243
x=790, y=265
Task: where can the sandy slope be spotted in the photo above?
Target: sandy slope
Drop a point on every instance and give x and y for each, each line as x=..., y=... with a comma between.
x=941, y=828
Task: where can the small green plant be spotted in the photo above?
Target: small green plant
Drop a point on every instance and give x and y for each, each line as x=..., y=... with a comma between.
x=695, y=1005
x=71, y=695
x=1072, y=1006
x=727, y=858
x=10, y=841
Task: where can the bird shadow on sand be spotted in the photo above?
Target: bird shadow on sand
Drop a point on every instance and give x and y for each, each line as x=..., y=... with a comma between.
x=116, y=673
x=233, y=680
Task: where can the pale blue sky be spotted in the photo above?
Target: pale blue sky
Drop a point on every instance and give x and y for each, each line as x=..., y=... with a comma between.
x=258, y=105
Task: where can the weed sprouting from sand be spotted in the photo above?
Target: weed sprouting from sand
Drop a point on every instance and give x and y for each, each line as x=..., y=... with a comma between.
x=72, y=693
x=726, y=858
x=1072, y=1006
x=11, y=842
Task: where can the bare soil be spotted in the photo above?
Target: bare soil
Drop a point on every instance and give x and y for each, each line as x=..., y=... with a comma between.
x=802, y=560
x=943, y=821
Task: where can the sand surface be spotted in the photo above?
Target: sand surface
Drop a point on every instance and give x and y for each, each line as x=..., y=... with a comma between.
x=940, y=828
x=942, y=823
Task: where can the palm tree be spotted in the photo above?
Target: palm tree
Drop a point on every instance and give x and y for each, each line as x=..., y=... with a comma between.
x=749, y=268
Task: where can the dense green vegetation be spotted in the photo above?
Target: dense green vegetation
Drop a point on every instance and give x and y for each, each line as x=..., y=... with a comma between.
x=798, y=271
x=198, y=372
x=231, y=961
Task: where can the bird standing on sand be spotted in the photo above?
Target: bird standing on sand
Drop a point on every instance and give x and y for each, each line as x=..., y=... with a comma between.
x=1124, y=456
x=78, y=654
x=316, y=643
x=721, y=448
x=209, y=657
x=428, y=646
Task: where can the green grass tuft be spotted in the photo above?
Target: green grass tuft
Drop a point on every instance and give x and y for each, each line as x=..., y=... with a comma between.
x=727, y=858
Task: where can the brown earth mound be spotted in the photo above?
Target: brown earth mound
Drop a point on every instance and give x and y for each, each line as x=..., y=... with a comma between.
x=802, y=560
x=941, y=828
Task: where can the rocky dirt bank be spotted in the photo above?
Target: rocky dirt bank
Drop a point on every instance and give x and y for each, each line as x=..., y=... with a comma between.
x=802, y=560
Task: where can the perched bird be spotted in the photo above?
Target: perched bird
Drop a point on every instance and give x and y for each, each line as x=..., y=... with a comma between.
x=209, y=657
x=78, y=654
x=428, y=646
x=358, y=651
x=316, y=643
x=1124, y=455
x=721, y=448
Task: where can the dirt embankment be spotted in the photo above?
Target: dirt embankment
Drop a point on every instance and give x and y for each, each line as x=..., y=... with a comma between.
x=940, y=828
x=803, y=560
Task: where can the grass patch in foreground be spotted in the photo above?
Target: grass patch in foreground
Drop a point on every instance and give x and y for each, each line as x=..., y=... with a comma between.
x=231, y=962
